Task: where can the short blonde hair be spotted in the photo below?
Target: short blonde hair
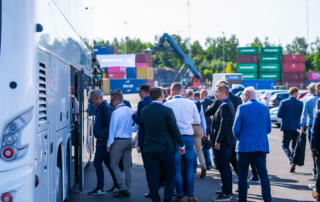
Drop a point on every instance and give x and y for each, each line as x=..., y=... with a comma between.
x=292, y=90
x=312, y=87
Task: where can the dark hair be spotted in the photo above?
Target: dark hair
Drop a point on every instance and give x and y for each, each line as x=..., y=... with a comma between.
x=145, y=88
x=223, y=87
x=197, y=94
x=155, y=93
x=118, y=90
x=117, y=95
x=176, y=87
x=292, y=90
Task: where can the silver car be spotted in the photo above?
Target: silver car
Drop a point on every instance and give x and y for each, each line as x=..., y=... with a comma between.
x=274, y=117
x=265, y=97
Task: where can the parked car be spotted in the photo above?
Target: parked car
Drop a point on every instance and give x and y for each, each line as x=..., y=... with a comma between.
x=302, y=94
x=276, y=98
x=274, y=118
x=259, y=93
x=265, y=97
x=239, y=93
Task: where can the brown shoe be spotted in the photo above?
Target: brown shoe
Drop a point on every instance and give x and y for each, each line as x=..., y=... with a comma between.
x=314, y=195
x=292, y=168
x=192, y=198
x=178, y=199
x=203, y=172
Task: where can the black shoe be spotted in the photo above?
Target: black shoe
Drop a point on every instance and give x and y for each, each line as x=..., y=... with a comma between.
x=254, y=180
x=184, y=193
x=219, y=192
x=97, y=191
x=221, y=197
x=113, y=189
x=148, y=195
x=124, y=193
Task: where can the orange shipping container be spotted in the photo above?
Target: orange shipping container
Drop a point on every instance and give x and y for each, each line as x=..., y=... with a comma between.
x=145, y=73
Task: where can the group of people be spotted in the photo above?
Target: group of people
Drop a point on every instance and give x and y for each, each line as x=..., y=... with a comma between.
x=170, y=133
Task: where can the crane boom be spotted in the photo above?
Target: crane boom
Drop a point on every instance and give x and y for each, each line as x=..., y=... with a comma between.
x=176, y=49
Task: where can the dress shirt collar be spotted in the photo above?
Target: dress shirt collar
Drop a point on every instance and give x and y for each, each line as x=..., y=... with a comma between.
x=177, y=96
x=155, y=102
x=192, y=99
x=146, y=96
x=223, y=100
x=120, y=105
x=293, y=97
x=206, y=98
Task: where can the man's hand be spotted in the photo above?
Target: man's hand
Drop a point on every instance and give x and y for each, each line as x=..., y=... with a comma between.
x=204, y=136
x=182, y=151
x=217, y=146
x=135, y=112
x=108, y=149
x=313, y=153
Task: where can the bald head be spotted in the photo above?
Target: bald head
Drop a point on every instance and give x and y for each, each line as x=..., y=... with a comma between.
x=203, y=94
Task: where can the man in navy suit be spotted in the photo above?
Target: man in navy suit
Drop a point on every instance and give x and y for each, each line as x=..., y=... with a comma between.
x=145, y=101
x=290, y=111
x=315, y=148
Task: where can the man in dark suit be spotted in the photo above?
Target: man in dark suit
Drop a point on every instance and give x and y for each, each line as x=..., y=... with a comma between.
x=223, y=139
x=126, y=102
x=162, y=134
x=315, y=148
x=290, y=111
x=145, y=101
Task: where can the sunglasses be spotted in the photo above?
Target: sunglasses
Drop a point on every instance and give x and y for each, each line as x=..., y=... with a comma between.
x=113, y=100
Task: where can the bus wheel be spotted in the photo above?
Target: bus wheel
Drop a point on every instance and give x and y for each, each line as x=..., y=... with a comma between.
x=59, y=185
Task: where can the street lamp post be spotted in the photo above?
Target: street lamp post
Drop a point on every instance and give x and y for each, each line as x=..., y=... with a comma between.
x=224, y=68
x=125, y=39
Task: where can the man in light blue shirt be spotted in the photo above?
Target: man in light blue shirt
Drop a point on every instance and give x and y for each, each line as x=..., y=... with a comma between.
x=120, y=143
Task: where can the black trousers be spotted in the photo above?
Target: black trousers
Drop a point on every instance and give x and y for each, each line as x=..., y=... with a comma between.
x=317, y=160
x=160, y=162
x=146, y=165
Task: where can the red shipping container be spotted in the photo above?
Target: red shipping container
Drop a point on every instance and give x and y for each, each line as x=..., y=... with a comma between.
x=293, y=59
x=143, y=58
x=278, y=83
x=293, y=67
x=298, y=84
x=150, y=83
x=114, y=49
x=293, y=76
x=120, y=75
x=242, y=59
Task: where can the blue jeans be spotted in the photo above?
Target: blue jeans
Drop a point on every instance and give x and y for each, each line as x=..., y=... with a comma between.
x=102, y=156
x=223, y=157
x=288, y=136
x=188, y=161
x=309, y=138
x=260, y=161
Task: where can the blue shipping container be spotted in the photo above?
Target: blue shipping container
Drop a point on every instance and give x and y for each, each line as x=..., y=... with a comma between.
x=103, y=50
x=260, y=84
x=131, y=73
x=104, y=70
x=126, y=85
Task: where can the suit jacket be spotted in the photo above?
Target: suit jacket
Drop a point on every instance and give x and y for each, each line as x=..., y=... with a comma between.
x=236, y=101
x=315, y=133
x=102, y=122
x=137, y=119
x=206, y=103
x=127, y=103
x=162, y=131
x=290, y=111
x=222, y=122
x=252, y=126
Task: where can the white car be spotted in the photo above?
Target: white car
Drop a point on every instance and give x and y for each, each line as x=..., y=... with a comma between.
x=274, y=117
x=259, y=93
x=265, y=97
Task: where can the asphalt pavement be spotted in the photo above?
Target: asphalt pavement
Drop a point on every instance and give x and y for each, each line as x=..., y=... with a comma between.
x=285, y=186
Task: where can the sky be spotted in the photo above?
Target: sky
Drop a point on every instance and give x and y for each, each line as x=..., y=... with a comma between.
x=279, y=20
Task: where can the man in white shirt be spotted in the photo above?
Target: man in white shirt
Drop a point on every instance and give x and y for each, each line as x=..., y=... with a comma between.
x=186, y=114
x=120, y=143
x=199, y=131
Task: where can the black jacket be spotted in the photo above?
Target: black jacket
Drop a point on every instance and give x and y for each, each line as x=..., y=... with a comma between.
x=299, y=152
x=162, y=131
x=206, y=103
x=222, y=122
x=102, y=122
x=236, y=101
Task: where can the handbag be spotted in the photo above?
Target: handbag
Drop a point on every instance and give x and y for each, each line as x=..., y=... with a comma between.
x=206, y=143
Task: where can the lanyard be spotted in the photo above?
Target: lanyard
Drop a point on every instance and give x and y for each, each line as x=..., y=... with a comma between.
x=178, y=96
x=315, y=95
x=156, y=102
x=121, y=105
x=223, y=100
x=191, y=99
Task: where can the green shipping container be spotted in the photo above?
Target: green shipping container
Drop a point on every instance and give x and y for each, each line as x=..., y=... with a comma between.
x=269, y=67
x=248, y=51
x=248, y=76
x=270, y=58
x=241, y=68
x=270, y=76
x=272, y=50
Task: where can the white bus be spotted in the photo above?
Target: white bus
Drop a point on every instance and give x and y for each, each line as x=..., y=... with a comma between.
x=45, y=70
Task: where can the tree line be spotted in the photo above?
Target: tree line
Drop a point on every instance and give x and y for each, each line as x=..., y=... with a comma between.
x=209, y=59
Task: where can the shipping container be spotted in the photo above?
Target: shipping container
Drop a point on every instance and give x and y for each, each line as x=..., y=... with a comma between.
x=242, y=68
x=292, y=76
x=131, y=73
x=144, y=58
x=248, y=51
x=150, y=83
x=293, y=59
x=248, y=59
x=298, y=84
x=270, y=76
x=145, y=73
x=126, y=85
x=269, y=67
x=260, y=84
x=104, y=70
x=114, y=50
x=143, y=64
x=250, y=75
x=116, y=69
x=313, y=76
x=119, y=75
x=278, y=83
x=106, y=86
x=272, y=50
x=104, y=75
x=265, y=58
x=103, y=50
x=293, y=67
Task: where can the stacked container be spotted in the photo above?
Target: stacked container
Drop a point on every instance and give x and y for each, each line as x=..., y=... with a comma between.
x=247, y=63
x=270, y=64
x=144, y=68
x=104, y=50
x=116, y=72
x=293, y=71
